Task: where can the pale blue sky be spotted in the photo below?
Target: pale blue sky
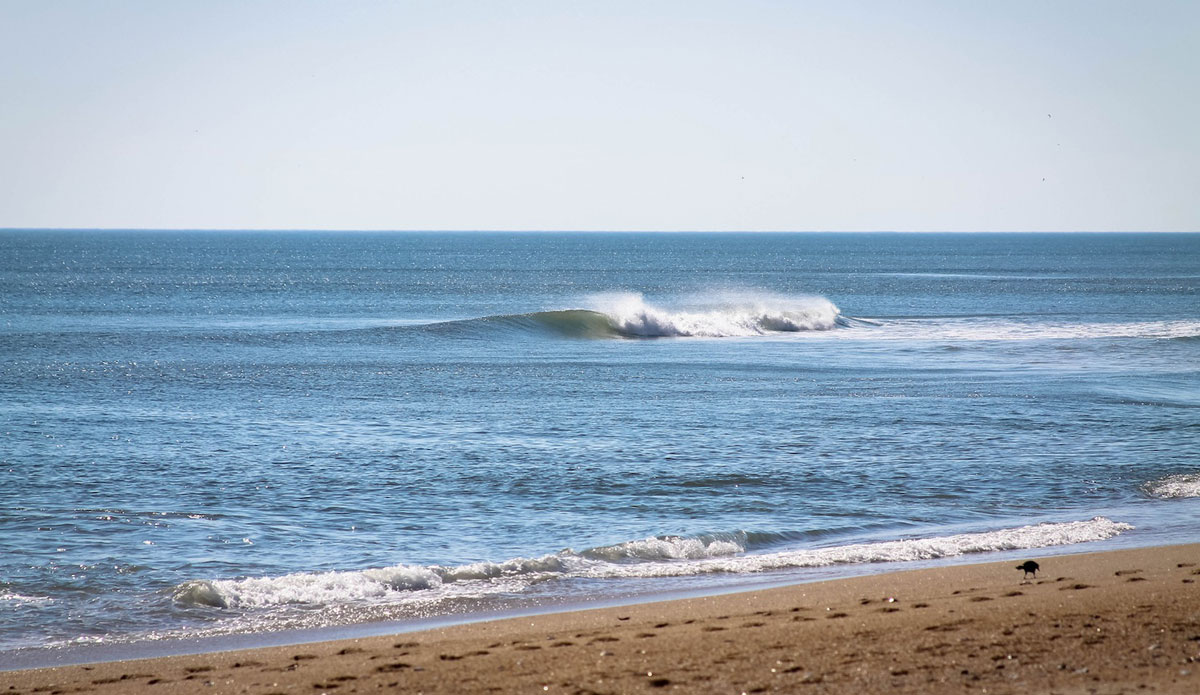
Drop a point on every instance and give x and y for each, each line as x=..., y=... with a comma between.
x=601, y=115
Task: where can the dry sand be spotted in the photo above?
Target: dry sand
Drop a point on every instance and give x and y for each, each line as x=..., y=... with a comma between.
x=1123, y=621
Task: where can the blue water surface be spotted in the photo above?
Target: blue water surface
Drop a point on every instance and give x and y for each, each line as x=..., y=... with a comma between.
x=337, y=413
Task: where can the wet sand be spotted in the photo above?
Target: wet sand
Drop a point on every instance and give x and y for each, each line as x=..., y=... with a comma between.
x=1115, y=622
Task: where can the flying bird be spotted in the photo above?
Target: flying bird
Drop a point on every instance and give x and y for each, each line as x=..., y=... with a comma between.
x=1029, y=567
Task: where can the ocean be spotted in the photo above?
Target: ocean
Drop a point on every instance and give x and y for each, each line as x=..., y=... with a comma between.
x=230, y=435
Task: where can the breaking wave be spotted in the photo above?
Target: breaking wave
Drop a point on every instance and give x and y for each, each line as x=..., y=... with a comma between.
x=666, y=556
x=1174, y=486
x=629, y=315
x=732, y=315
x=746, y=315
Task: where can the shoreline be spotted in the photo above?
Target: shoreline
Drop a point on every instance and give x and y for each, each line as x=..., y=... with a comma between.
x=1106, y=621
x=169, y=645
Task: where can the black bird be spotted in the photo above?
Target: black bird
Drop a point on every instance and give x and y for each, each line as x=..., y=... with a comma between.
x=1029, y=567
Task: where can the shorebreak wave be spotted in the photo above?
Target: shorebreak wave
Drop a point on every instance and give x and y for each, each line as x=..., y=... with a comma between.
x=667, y=556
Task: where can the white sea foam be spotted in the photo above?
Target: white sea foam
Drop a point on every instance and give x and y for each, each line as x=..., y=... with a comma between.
x=978, y=329
x=1174, y=486
x=671, y=556
x=718, y=317
x=546, y=565
x=320, y=588
x=13, y=597
x=1022, y=538
x=667, y=548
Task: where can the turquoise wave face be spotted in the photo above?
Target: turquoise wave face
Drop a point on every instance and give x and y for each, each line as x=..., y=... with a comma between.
x=569, y=323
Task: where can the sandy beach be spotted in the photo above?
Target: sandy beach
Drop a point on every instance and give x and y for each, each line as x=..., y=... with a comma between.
x=1112, y=622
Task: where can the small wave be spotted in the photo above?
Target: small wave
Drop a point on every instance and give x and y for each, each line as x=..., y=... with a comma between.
x=13, y=597
x=665, y=556
x=1174, y=486
x=668, y=548
x=321, y=588
x=1023, y=538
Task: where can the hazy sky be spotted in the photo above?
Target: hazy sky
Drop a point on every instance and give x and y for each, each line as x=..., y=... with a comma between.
x=601, y=115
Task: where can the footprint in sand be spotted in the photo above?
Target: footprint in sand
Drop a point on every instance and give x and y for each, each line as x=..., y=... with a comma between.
x=948, y=627
x=1122, y=573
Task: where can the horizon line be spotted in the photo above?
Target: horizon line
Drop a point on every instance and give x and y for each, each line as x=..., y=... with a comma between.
x=586, y=231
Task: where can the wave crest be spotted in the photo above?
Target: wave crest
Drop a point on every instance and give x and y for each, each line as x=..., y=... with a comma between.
x=632, y=316
x=667, y=548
